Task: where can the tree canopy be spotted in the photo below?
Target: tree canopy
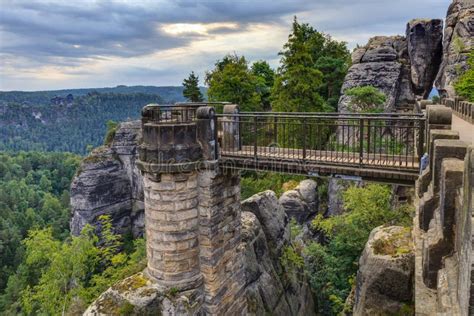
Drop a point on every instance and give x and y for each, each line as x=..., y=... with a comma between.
x=365, y=99
x=231, y=80
x=191, y=89
x=312, y=70
x=464, y=86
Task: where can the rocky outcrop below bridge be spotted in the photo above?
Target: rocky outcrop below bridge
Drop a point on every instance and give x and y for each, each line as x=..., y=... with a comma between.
x=384, y=282
x=270, y=291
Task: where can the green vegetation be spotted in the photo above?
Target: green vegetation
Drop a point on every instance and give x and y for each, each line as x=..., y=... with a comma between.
x=67, y=127
x=43, y=98
x=232, y=80
x=312, y=70
x=110, y=133
x=465, y=84
x=255, y=182
x=61, y=277
x=366, y=99
x=331, y=267
x=265, y=80
x=191, y=88
x=34, y=193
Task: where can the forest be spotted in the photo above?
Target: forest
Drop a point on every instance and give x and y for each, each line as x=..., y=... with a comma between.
x=74, y=128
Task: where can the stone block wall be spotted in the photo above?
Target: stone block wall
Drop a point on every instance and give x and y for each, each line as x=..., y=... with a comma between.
x=192, y=211
x=442, y=231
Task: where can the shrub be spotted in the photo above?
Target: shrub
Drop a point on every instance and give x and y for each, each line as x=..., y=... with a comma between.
x=332, y=266
x=464, y=86
x=366, y=99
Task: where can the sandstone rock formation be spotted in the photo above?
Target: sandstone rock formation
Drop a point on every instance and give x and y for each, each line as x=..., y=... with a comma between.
x=269, y=287
x=302, y=202
x=109, y=183
x=457, y=42
x=384, y=284
x=137, y=295
x=424, y=38
x=384, y=64
x=401, y=67
x=268, y=293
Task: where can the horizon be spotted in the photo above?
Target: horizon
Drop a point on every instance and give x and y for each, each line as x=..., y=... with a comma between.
x=111, y=43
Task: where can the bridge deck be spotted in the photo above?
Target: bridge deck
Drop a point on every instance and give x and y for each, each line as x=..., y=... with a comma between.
x=377, y=167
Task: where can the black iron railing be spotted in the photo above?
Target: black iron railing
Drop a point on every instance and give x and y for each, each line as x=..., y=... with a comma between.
x=387, y=140
x=182, y=112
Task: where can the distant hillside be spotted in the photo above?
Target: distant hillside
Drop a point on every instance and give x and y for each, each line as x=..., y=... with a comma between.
x=72, y=119
x=71, y=126
x=168, y=94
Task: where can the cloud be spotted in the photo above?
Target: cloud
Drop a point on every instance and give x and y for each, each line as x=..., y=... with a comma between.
x=54, y=44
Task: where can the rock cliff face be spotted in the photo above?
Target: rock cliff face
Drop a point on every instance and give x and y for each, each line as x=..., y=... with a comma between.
x=457, y=42
x=271, y=288
x=384, y=283
x=108, y=183
x=382, y=63
x=424, y=38
x=401, y=67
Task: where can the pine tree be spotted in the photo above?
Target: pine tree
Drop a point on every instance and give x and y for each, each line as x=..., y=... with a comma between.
x=312, y=70
x=191, y=88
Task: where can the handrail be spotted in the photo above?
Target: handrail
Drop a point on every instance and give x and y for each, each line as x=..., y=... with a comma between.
x=327, y=116
x=334, y=113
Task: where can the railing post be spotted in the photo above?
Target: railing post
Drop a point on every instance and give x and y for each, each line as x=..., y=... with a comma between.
x=255, y=135
x=421, y=139
x=368, y=137
x=304, y=139
x=361, y=140
x=231, y=128
x=275, y=129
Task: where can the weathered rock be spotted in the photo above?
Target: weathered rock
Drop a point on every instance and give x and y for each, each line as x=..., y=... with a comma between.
x=271, y=216
x=384, y=284
x=425, y=48
x=267, y=292
x=108, y=183
x=457, y=42
x=137, y=295
x=302, y=202
x=380, y=64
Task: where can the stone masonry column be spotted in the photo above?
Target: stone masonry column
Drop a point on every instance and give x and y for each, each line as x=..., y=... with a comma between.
x=168, y=157
x=192, y=209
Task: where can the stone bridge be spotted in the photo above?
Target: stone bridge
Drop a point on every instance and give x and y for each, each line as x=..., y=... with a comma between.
x=190, y=157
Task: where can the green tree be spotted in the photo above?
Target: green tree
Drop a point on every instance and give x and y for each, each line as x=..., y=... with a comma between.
x=312, y=69
x=191, y=88
x=231, y=80
x=464, y=86
x=365, y=99
x=332, y=267
x=110, y=133
x=265, y=79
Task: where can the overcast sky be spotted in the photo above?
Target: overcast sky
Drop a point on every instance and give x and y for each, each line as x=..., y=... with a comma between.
x=46, y=45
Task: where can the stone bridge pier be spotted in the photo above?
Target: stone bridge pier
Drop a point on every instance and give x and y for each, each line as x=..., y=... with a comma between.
x=192, y=210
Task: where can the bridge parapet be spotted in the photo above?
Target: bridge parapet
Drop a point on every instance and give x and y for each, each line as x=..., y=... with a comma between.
x=443, y=221
x=464, y=109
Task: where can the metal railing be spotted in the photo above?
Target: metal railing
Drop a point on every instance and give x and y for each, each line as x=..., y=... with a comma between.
x=181, y=112
x=464, y=109
x=387, y=140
